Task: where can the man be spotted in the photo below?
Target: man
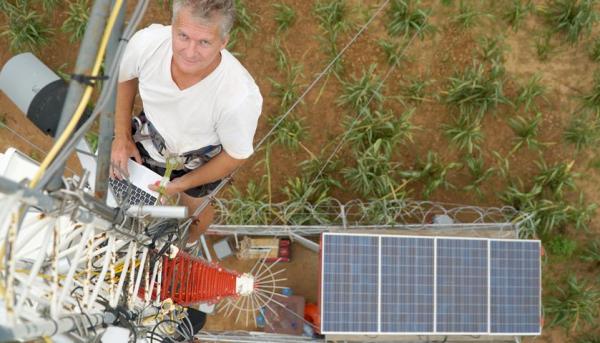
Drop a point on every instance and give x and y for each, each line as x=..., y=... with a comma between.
x=200, y=104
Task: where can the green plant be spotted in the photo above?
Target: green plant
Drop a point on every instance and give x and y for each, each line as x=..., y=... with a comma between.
x=249, y=206
x=244, y=21
x=289, y=89
x=285, y=16
x=290, y=132
x=25, y=30
x=583, y=131
x=543, y=47
x=322, y=174
x=574, y=304
x=592, y=100
x=592, y=252
x=571, y=17
x=556, y=178
x=331, y=15
x=77, y=18
x=49, y=5
x=589, y=338
x=465, y=132
x=517, y=13
x=594, y=50
x=393, y=51
x=92, y=139
x=302, y=200
x=406, y=19
x=479, y=174
x=378, y=127
x=581, y=214
x=467, y=15
x=432, y=173
x=526, y=131
x=531, y=91
x=492, y=48
x=561, y=246
x=361, y=91
x=414, y=90
x=372, y=176
x=281, y=56
x=475, y=91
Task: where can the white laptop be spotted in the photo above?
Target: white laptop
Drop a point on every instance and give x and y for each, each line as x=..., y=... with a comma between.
x=136, y=191
x=139, y=177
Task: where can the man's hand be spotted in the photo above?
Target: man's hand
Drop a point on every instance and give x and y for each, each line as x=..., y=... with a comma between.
x=122, y=149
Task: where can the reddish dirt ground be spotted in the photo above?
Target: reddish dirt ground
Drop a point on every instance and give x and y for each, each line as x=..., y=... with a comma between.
x=567, y=74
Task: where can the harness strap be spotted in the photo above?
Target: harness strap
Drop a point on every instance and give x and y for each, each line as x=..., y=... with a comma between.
x=201, y=155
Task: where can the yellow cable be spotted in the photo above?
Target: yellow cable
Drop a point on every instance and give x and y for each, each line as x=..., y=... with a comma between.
x=84, y=100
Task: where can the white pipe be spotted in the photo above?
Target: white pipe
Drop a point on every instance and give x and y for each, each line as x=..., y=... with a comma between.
x=100, y=279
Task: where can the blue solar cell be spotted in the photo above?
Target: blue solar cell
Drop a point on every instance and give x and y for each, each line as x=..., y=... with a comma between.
x=515, y=286
x=406, y=284
x=462, y=286
x=350, y=283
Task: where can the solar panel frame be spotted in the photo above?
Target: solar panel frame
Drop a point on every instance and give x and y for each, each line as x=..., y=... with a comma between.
x=381, y=332
x=519, y=306
x=343, y=306
x=462, y=286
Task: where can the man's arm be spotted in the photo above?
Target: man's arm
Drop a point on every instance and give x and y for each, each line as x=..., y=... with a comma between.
x=123, y=146
x=215, y=169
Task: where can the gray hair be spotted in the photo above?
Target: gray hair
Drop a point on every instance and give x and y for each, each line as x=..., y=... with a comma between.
x=206, y=10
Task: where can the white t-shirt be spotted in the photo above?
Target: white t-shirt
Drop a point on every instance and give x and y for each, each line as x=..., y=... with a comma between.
x=223, y=108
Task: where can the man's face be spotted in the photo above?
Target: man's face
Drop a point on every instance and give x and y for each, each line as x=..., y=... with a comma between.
x=196, y=46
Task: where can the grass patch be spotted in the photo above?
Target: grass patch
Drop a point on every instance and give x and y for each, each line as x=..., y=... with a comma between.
x=77, y=18
x=475, y=91
x=465, y=132
x=432, y=172
x=561, y=246
x=575, y=304
x=531, y=91
x=479, y=174
x=592, y=252
x=384, y=128
x=372, y=176
x=517, y=12
x=362, y=91
x=290, y=132
x=572, y=18
x=583, y=131
x=407, y=19
x=285, y=16
x=25, y=30
x=526, y=131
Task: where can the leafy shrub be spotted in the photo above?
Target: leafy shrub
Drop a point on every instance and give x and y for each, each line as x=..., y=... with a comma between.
x=561, y=246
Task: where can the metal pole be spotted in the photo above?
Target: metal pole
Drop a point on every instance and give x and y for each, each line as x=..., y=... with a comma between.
x=48, y=328
x=85, y=61
x=107, y=117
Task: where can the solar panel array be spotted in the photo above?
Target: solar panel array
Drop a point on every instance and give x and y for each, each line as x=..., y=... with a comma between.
x=381, y=284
